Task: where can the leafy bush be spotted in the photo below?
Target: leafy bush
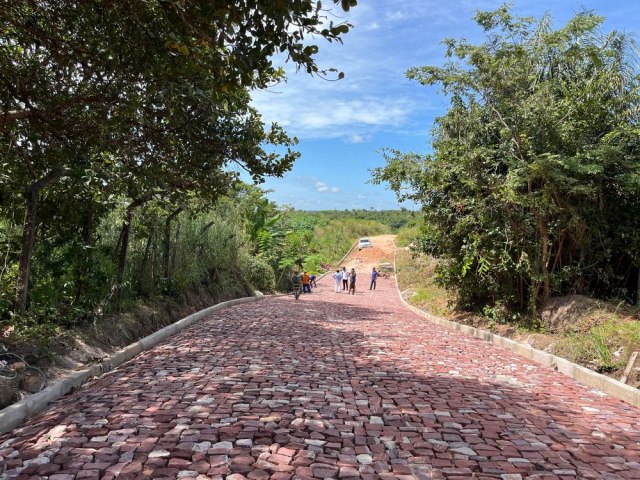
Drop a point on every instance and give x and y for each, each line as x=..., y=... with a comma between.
x=259, y=273
x=532, y=187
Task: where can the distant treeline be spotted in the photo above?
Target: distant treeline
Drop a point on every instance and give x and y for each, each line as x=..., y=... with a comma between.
x=394, y=219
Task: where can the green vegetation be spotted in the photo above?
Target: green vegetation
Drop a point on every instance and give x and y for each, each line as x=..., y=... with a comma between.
x=72, y=286
x=329, y=234
x=123, y=129
x=417, y=284
x=394, y=219
x=335, y=237
x=407, y=235
x=532, y=190
x=308, y=241
x=599, y=335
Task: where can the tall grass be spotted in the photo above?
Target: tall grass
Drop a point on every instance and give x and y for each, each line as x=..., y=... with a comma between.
x=416, y=281
x=206, y=251
x=605, y=346
x=334, y=239
x=407, y=235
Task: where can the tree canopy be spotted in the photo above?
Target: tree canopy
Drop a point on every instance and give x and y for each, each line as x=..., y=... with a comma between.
x=140, y=100
x=533, y=186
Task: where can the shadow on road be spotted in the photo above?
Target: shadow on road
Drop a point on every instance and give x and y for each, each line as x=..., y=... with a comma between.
x=343, y=385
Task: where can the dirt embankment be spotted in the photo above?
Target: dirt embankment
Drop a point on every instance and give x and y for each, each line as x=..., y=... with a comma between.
x=26, y=367
x=381, y=251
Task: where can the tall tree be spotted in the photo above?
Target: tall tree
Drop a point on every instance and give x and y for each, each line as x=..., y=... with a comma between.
x=533, y=186
x=150, y=84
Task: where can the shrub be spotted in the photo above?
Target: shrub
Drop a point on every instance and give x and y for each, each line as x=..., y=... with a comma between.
x=259, y=273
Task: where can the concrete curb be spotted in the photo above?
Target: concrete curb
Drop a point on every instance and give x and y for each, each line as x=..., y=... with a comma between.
x=347, y=254
x=583, y=375
x=17, y=413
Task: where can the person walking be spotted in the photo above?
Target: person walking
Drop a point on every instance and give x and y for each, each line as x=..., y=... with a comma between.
x=352, y=281
x=345, y=279
x=296, y=280
x=338, y=279
x=374, y=277
x=306, y=283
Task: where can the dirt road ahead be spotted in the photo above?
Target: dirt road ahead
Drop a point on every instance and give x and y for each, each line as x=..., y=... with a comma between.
x=364, y=260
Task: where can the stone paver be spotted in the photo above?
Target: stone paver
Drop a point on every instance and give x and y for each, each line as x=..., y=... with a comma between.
x=331, y=386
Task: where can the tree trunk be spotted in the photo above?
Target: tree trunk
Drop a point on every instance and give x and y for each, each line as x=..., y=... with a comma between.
x=207, y=227
x=81, y=284
x=124, y=237
x=29, y=235
x=175, y=247
x=166, y=241
x=544, y=261
x=153, y=262
x=124, y=247
x=521, y=293
x=116, y=250
x=145, y=258
x=201, y=240
x=557, y=262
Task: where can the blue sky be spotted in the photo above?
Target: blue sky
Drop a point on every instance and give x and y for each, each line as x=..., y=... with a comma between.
x=342, y=125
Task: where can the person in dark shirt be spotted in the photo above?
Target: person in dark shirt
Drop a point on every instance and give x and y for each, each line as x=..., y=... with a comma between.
x=296, y=280
x=374, y=277
x=352, y=281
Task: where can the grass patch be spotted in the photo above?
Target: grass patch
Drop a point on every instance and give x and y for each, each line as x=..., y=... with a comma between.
x=415, y=278
x=605, y=347
x=406, y=236
x=596, y=334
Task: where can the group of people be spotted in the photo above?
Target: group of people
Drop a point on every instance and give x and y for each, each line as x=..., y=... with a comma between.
x=304, y=281
x=345, y=280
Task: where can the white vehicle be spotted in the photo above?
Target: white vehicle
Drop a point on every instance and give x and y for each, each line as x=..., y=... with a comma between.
x=364, y=243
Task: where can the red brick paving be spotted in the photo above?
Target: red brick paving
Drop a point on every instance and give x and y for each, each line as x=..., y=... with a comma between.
x=330, y=386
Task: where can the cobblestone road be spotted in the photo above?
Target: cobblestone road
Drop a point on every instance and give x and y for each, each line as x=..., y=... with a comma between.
x=331, y=386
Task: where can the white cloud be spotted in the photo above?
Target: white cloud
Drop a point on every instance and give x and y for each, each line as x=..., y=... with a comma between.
x=323, y=187
x=372, y=27
x=375, y=102
x=395, y=16
x=305, y=117
x=358, y=138
x=374, y=97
